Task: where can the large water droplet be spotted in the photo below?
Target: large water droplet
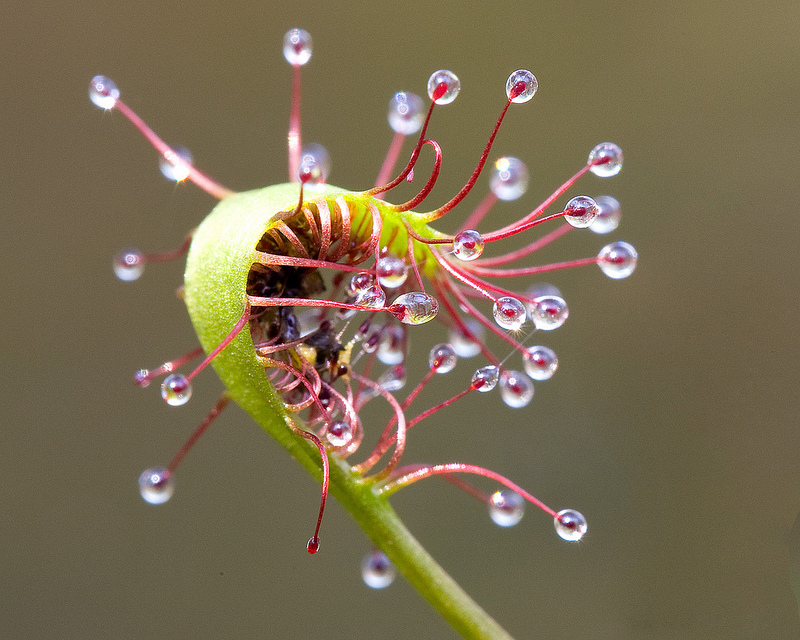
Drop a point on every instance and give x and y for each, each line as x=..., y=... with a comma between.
x=414, y=308
x=570, y=525
x=618, y=259
x=485, y=379
x=605, y=159
x=442, y=358
x=156, y=485
x=509, y=179
x=463, y=346
x=540, y=362
x=128, y=265
x=516, y=389
x=392, y=271
x=521, y=86
x=608, y=216
x=549, y=313
x=175, y=164
x=468, y=245
x=176, y=389
x=509, y=313
x=297, y=47
x=506, y=508
x=406, y=112
x=103, y=92
x=581, y=211
x=449, y=83
x=377, y=570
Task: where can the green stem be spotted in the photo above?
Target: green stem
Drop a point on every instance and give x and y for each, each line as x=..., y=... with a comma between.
x=380, y=522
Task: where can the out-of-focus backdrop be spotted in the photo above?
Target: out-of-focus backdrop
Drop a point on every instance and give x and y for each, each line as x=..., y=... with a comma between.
x=672, y=422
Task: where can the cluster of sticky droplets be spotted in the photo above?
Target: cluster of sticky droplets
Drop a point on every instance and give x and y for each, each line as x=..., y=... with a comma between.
x=485, y=379
x=617, y=260
x=406, y=113
x=605, y=160
x=506, y=508
x=549, y=312
x=516, y=389
x=521, y=86
x=464, y=346
x=297, y=47
x=540, y=362
x=176, y=389
x=128, y=265
x=103, y=92
x=339, y=434
x=414, y=308
x=315, y=164
x=608, y=215
x=443, y=86
x=392, y=271
x=509, y=313
x=581, y=211
x=509, y=180
x=175, y=164
x=377, y=570
x=156, y=485
x=468, y=245
x=442, y=358
x=570, y=525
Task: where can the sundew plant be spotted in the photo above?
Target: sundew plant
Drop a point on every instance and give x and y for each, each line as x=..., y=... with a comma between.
x=303, y=295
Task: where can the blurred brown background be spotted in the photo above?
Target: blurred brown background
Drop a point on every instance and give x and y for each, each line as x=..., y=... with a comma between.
x=672, y=423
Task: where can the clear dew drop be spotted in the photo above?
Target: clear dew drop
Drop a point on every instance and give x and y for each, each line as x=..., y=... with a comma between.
x=506, y=508
x=406, y=113
x=394, y=379
x=103, y=92
x=580, y=211
x=361, y=282
x=540, y=362
x=156, y=485
x=129, y=265
x=374, y=297
x=539, y=289
x=608, y=215
x=414, y=308
x=377, y=570
x=176, y=390
x=391, y=348
x=442, y=358
x=452, y=85
x=549, y=313
x=315, y=164
x=485, y=379
x=617, y=260
x=339, y=434
x=516, y=389
x=392, y=271
x=570, y=525
x=521, y=86
x=297, y=47
x=509, y=313
x=605, y=160
x=468, y=245
x=175, y=164
x=509, y=180
x=464, y=346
